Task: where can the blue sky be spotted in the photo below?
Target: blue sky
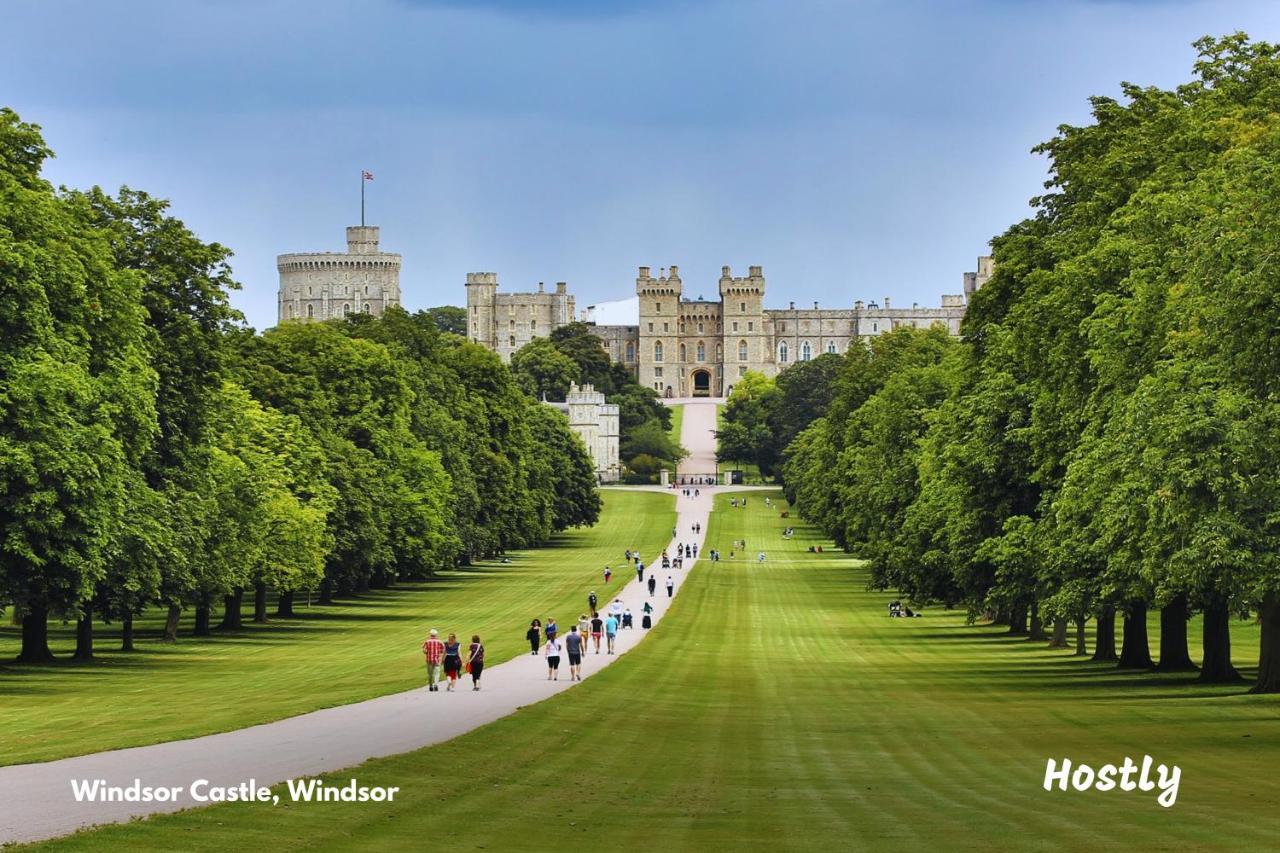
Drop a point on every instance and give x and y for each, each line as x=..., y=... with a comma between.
x=854, y=149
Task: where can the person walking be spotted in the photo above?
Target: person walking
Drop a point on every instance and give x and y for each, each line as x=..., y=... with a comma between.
x=573, y=647
x=584, y=625
x=592, y=600
x=647, y=621
x=551, y=630
x=640, y=572
x=610, y=632
x=653, y=584
x=626, y=618
x=475, y=663
x=433, y=651
x=534, y=635
x=452, y=661
x=615, y=610
x=552, y=650
x=597, y=629
x=608, y=573
x=671, y=587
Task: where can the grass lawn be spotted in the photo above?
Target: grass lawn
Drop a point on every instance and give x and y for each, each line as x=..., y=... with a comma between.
x=778, y=707
x=357, y=649
x=677, y=420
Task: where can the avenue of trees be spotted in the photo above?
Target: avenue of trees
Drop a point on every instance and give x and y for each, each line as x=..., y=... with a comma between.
x=1105, y=439
x=156, y=453
x=545, y=367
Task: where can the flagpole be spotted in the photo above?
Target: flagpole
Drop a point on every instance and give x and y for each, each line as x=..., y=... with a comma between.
x=361, y=198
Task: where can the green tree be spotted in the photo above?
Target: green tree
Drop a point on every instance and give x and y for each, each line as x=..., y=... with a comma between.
x=543, y=371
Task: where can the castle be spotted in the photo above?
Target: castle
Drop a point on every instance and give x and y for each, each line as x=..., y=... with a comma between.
x=596, y=423
x=686, y=347
x=328, y=285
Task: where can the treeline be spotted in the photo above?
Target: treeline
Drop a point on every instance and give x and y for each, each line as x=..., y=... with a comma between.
x=1106, y=437
x=154, y=452
x=545, y=367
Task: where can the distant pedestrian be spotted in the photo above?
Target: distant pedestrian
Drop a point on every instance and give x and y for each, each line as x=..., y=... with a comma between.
x=597, y=630
x=591, y=600
x=671, y=587
x=647, y=621
x=551, y=629
x=615, y=610
x=452, y=661
x=626, y=618
x=534, y=636
x=552, y=651
x=608, y=573
x=610, y=632
x=640, y=572
x=653, y=584
x=573, y=647
x=584, y=624
x=475, y=664
x=433, y=651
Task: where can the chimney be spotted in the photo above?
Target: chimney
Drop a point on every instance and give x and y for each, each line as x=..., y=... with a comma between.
x=562, y=287
x=541, y=287
x=815, y=305
x=793, y=306
x=886, y=302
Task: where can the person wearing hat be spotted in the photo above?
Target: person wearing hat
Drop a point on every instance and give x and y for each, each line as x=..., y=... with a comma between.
x=592, y=601
x=433, y=650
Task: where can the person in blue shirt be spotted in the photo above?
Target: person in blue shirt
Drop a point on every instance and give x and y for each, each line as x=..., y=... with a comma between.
x=611, y=631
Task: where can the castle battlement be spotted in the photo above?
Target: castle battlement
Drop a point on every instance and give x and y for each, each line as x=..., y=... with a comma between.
x=318, y=286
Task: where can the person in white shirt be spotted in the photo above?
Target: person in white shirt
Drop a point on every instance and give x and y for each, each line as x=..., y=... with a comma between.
x=671, y=587
x=552, y=651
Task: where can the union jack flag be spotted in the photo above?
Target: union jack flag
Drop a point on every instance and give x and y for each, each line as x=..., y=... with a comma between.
x=368, y=176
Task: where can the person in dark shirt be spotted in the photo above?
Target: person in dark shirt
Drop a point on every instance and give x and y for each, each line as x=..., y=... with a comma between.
x=534, y=636
x=476, y=660
x=597, y=629
x=573, y=647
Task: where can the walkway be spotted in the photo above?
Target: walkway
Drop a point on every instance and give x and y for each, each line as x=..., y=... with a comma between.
x=36, y=800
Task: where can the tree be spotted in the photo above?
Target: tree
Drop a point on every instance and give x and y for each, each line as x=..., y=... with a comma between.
x=543, y=371
x=448, y=318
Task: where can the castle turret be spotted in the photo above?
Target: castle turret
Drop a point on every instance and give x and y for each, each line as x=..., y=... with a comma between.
x=325, y=285
x=659, y=322
x=482, y=288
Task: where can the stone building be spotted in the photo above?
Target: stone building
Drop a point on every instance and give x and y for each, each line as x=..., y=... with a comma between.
x=325, y=285
x=686, y=347
x=504, y=322
x=596, y=423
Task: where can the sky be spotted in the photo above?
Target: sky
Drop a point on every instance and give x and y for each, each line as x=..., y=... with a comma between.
x=855, y=150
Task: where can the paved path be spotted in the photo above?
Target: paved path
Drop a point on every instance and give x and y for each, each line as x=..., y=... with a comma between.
x=36, y=800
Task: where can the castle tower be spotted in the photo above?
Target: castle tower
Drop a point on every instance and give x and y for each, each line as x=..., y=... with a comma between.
x=482, y=288
x=318, y=286
x=657, y=360
x=748, y=345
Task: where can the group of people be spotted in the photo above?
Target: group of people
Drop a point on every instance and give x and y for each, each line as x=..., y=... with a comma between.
x=447, y=657
x=737, y=502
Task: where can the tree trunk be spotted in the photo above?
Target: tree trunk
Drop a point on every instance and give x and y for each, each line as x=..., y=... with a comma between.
x=1018, y=620
x=126, y=633
x=326, y=591
x=1269, y=648
x=202, y=618
x=231, y=611
x=1059, y=638
x=1080, y=644
x=35, y=636
x=1216, y=667
x=1037, y=625
x=1174, y=655
x=1104, y=646
x=260, y=602
x=344, y=588
x=84, y=635
x=171, y=623
x=15, y=616
x=284, y=604
x=1136, y=651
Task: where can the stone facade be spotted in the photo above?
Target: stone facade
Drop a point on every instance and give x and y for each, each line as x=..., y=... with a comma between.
x=504, y=322
x=324, y=285
x=596, y=423
x=686, y=347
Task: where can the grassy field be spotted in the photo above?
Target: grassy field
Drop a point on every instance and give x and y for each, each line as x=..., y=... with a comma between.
x=333, y=655
x=677, y=420
x=777, y=707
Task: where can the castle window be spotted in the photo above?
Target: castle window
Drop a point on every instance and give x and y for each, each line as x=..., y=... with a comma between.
x=751, y=327
x=533, y=327
x=657, y=350
x=684, y=354
x=699, y=328
x=651, y=328
x=806, y=352
x=657, y=307
x=742, y=306
x=666, y=327
x=782, y=352
x=702, y=351
x=631, y=351
x=875, y=327
x=366, y=291
x=782, y=327
x=719, y=352
x=742, y=371
x=474, y=310
x=512, y=342
x=831, y=347
x=511, y=324
x=346, y=308
x=366, y=308
x=657, y=371
x=735, y=325
x=742, y=350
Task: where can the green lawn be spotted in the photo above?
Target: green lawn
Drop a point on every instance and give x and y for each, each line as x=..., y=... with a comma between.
x=778, y=707
x=677, y=420
x=355, y=650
